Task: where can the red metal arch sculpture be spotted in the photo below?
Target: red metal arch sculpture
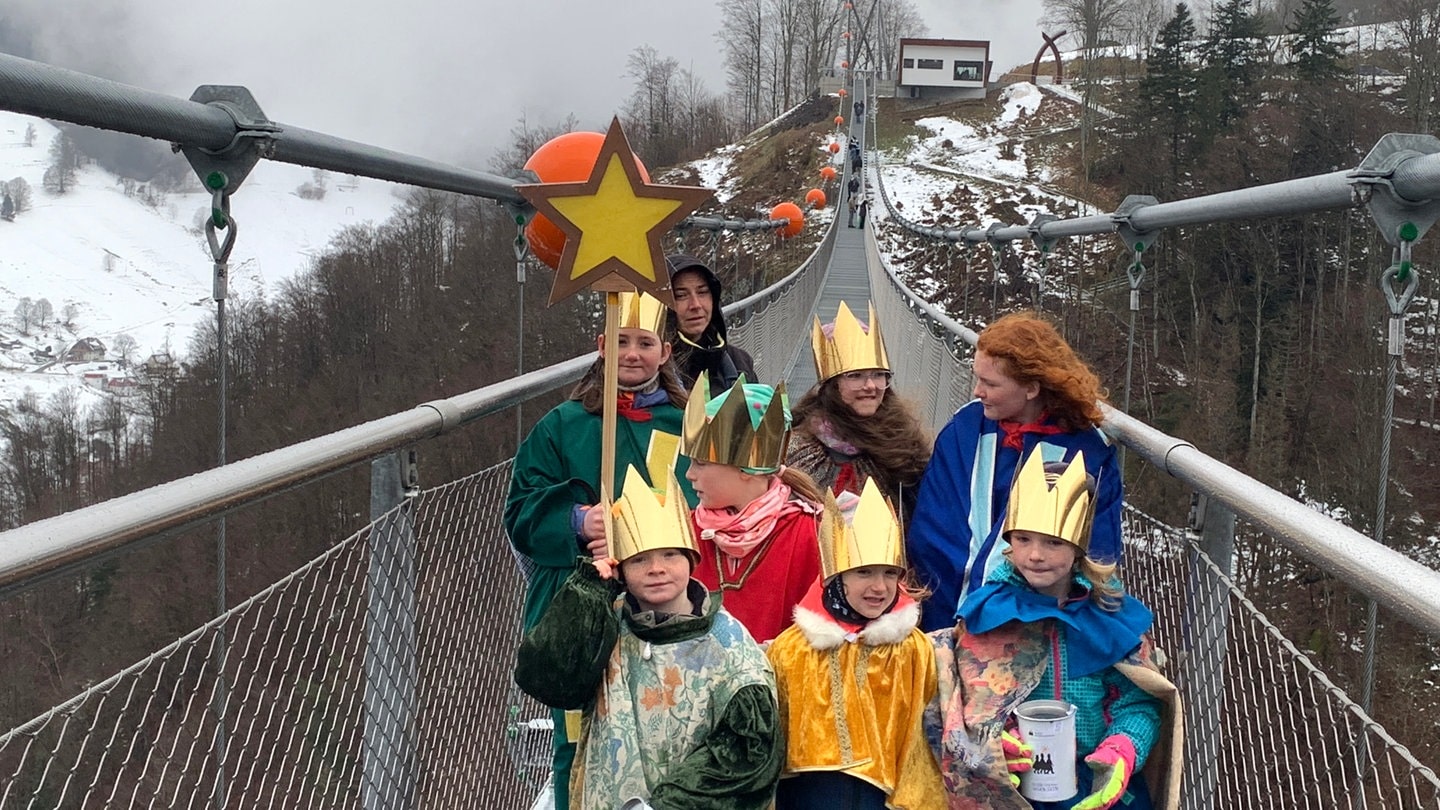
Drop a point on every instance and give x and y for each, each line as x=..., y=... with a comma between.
x=1050, y=46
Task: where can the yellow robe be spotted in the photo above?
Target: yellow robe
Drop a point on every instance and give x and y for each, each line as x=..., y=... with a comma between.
x=853, y=702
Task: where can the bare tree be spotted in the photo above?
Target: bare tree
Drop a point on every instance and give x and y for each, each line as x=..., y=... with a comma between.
x=650, y=112
x=19, y=194
x=125, y=347
x=1140, y=22
x=525, y=137
x=1091, y=22
x=24, y=315
x=1418, y=22
x=43, y=311
x=820, y=26
x=742, y=36
x=893, y=20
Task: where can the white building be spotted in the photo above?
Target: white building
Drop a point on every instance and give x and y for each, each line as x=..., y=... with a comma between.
x=942, y=69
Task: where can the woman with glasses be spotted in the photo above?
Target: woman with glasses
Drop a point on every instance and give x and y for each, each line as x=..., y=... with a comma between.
x=851, y=426
x=1033, y=394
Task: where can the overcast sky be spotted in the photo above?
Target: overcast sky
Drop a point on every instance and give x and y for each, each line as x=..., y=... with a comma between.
x=445, y=79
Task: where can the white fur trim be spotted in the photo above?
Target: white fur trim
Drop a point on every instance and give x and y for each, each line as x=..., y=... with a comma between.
x=821, y=631
x=824, y=633
x=893, y=627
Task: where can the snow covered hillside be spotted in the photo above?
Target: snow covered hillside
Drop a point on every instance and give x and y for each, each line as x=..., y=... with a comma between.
x=110, y=264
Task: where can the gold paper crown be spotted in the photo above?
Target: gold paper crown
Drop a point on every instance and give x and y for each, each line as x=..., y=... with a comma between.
x=1060, y=505
x=849, y=348
x=642, y=311
x=727, y=435
x=645, y=520
x=871, y=537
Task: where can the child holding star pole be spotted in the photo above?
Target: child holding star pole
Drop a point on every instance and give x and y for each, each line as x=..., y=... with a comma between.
x=613, y=223
x=679, y=701
x=552, y=511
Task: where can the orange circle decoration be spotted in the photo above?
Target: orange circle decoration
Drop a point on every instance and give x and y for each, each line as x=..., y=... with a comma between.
x=834, y=148
x=815, y=198
x=842, y=92
x=792, y=212
x=827, y=172
x=845, y=65
x=568, y=158
x=844, y=34
x=839, y=119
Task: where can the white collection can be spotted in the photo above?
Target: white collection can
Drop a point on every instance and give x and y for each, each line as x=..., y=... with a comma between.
x=1049, y=727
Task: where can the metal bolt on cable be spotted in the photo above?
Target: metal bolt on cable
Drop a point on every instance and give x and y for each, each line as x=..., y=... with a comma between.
x=1135, y=272
x=220, y=250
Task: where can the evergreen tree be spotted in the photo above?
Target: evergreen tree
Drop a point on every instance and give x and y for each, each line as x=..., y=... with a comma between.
x=7, y=207
x=1232, y=54
x=1167, y=94
x=1316, y=57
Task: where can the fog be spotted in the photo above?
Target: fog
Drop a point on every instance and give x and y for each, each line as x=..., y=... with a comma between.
x=443, y=79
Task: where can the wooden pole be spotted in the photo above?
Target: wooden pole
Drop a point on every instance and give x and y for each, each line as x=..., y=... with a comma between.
x=609, y=415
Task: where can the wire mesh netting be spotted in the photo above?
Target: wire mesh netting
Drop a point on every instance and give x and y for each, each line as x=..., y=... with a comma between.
x=379, y=674
x=1246, y=687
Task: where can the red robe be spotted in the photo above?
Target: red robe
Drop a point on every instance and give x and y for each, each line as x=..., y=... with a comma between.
x=762, y=588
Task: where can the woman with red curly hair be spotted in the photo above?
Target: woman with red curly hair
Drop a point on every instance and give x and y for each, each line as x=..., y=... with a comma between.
x=1033, y=394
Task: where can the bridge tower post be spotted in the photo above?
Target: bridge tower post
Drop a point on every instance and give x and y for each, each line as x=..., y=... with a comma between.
x=389, y=757
x=1207, y=618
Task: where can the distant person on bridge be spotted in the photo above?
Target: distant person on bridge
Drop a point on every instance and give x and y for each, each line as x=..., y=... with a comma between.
x=860, y=620
x=679, y=702
x=698, y=340
x=852, y=427
x=555, y=480
x=1032, y=395
x=1052, y=623
x=757, y=521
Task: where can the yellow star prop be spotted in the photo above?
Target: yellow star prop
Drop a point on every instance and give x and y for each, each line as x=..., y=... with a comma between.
x=613, y=223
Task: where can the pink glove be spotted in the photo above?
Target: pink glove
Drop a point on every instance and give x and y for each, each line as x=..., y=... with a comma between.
x=1019, y=755
x=1113, y=763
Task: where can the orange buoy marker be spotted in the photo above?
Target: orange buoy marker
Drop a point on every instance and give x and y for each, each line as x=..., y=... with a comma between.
x=792, y=212
x=815, y=198
x=827, y=172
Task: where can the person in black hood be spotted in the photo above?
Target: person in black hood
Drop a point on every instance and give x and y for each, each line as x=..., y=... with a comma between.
x=698, y=327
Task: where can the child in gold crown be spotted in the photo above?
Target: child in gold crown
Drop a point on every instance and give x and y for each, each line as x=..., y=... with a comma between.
x=679, y=703
x=851, y=426
x=854, y=674
x=550, y=513
x=757, y=520
x=1051, y=623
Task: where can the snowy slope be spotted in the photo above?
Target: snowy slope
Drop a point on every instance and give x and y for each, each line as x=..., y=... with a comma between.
x=120, y=266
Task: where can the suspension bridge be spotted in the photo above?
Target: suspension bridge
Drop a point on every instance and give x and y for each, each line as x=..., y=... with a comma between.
x=370, y=677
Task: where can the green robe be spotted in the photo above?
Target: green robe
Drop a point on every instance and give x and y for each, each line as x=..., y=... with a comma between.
x=679, y=709
x=558, y=466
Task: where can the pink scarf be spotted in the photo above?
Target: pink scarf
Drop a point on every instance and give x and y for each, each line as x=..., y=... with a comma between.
x=739, y=533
